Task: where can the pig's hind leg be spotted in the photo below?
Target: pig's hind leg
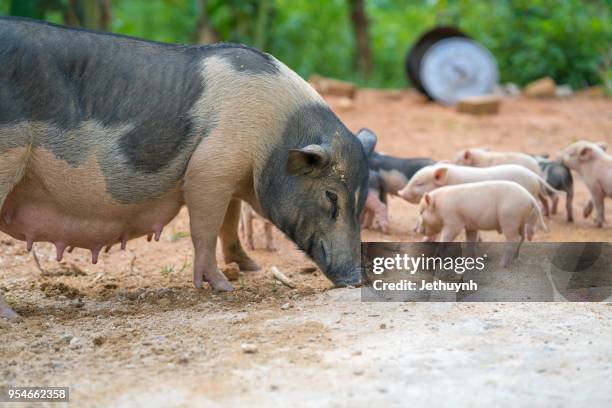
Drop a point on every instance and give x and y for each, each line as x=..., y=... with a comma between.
x=232, y=248
x=544, y=201
x=555, y=204
x=12, y=169
x=515, y=235
x=270, y=246
x=246, y=226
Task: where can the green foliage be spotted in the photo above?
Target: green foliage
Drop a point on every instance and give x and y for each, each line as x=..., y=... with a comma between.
x=569, y=40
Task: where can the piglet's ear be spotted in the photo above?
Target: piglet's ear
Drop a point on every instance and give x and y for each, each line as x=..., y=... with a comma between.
x=440, y=175
x=368, y=140
x=603, y=145
x=466, y=155
x=586, y=153
x=429, y=200
x=307, y=160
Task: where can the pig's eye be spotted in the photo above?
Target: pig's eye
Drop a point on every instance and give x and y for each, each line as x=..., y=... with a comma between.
x=333, y=199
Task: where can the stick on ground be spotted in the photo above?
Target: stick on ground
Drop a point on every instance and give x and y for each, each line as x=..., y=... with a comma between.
x=282, y=278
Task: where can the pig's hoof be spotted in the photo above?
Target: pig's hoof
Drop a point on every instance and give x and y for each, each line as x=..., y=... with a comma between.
x=245, y=263
x=222, y=286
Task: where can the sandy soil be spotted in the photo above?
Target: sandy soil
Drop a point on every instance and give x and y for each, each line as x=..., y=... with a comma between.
x=132, y=330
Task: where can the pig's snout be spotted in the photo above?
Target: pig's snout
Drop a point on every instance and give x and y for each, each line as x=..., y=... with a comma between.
x=353, y=278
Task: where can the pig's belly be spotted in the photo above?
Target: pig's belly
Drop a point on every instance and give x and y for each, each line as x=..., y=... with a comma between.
x=78, y=216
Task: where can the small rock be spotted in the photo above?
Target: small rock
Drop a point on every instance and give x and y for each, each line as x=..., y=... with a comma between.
x=382, y=326
x=75, y=343
x=77, y=302
x=512, y=89
x=564, y=91
x=344, y=103
x=479, y=105
x=358, y=372
x=248, y=348
x=98, y=341
x=163, y=302
x=542, y=88
x=183, y=359
x=231, y=271
x=356, y=353
x=67, y=338
x=286, y=306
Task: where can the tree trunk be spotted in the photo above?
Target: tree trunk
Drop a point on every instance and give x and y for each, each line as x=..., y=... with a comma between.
x=359, y=19
x=203, y=33
x=95, y=14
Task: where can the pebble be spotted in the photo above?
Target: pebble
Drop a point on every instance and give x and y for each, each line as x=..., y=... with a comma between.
x=67, y=338
x=383, y=326
x=75, y=343
x=248, y=348
x=98, y=341
x=358, y=372
x=286, y=306
x=163, y=302
x=231, y=271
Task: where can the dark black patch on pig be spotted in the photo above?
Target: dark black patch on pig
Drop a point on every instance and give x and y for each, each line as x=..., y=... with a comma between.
x=407, y=166
x=243, y=58
x=557, y=174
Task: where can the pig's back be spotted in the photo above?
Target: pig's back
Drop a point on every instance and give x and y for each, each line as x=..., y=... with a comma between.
x=482, y=204
x=508, y=172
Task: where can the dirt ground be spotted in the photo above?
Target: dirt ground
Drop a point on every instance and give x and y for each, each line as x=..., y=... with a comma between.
x=133, y=331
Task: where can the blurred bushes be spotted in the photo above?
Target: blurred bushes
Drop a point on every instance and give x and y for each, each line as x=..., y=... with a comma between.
x=570, y=40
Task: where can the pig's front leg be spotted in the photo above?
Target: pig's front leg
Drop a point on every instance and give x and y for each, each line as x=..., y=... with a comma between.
x=232, y=249
x=207, y=207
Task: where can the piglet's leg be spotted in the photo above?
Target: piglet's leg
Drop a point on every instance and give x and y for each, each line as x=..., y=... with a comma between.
x=471, y=237
x=544, y=201
x=569, y=207
x=598, y=201
x=555, y=204
x=588, y=209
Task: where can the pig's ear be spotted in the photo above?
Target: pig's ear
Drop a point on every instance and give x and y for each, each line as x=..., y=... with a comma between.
x=603, y=145
x=307, y=160
x=429, y=200
x=440, y=175
x=466, y=155
x=368, y=140
x=586, y=153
